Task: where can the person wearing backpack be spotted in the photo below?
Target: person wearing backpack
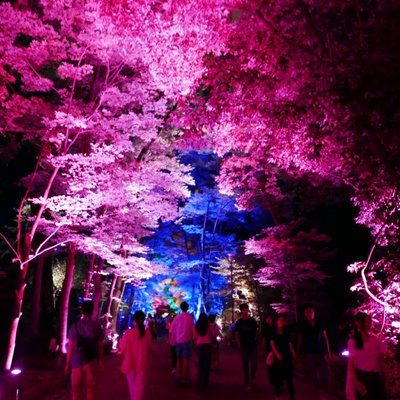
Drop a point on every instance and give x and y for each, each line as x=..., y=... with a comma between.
x=85, y=353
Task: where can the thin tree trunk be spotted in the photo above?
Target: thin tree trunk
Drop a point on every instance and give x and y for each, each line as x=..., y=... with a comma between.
x=110, y=296
x=64, y=301
x=123, y=289
x=199, y=307
x=86, y=294
x=258, y=299
x=124, y=283
x=37, y=289
x=210, y=252
x=97, y=290
x=129, y=308
x=116, y=301
x=203, y=273
x=47, y=329
x=232, y=288
x=19, y=297
x=24, y=246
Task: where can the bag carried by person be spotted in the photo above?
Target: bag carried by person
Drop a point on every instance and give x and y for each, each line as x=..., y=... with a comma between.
x=270, y=359
x=87, y=348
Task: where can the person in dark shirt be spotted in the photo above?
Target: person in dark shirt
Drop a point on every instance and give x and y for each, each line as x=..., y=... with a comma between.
x=314, y=343
x=85, y=353
x=284, y=356
x=267, y=334
x=246, y=330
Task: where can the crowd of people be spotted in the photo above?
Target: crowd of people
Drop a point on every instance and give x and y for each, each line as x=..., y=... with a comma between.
x=278, y=350
x=204, y=334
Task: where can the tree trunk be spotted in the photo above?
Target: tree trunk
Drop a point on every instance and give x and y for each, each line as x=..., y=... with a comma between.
x=258, y=298
x=232, y=290
x=64, y=300
x=199, y=307
x=19, y=297
x=47, y=329
x=24, y=246
x=97, y=290
x=86, y=294
x=129, y=308
x=110, y=295
x=37, y=289
x=204, y=265
x=116, y=301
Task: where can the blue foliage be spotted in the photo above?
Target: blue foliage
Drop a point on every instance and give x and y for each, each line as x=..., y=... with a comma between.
x=209, y=228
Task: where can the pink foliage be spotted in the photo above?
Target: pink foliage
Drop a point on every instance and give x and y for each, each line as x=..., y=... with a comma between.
x=172, y=37
x=292, y=258
x=110, y=72
x=308, y=87
x=105, y=88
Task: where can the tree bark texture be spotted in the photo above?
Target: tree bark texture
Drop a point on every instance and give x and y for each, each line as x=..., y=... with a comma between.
x=19, y=297
x=87, y=294
x=97, y=291
x=116, y=301
x=110, y=295
x=64, y=300
x=37, y=289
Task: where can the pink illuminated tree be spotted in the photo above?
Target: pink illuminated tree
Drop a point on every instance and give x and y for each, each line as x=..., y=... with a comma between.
x=90, y=85
x=293, y=257
x=308, y=87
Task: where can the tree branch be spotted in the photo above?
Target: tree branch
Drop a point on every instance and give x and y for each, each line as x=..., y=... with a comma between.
x=47, y=239
x=45, y=197
x=364, y=278
x=21, y=206
x=10, y=246
x=37, y=254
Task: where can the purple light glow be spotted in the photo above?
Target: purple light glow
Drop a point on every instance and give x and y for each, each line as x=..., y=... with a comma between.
x=16, y=371
x=345, y=353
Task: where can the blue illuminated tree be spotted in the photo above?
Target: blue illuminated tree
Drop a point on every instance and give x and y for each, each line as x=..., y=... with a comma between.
x=193, y=247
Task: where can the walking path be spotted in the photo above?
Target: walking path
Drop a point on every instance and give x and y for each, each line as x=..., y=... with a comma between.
x=227, y=384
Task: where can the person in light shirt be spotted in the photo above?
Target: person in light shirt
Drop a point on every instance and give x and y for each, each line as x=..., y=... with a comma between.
x=181, y=333
x=135, y=346
x=365, y=365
